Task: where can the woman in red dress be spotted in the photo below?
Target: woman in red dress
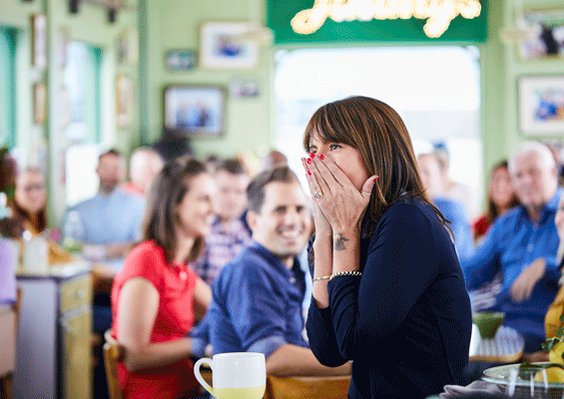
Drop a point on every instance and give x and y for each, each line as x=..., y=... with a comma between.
x=501, y=198
x=155, y=294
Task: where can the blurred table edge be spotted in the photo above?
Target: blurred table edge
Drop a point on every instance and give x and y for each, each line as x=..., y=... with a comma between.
x=506, y=347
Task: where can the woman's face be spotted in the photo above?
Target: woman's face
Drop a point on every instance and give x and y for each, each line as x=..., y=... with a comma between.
x=501, y=190
x=195, y=213
x=31, y=194
x=346, y=157
x=559, y=218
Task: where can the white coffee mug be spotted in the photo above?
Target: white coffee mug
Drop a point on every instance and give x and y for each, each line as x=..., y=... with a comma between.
x=237, y=375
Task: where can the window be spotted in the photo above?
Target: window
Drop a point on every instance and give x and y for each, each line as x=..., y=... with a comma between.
x=436, y=90
x=82, y=77
x=83, y=83
x=7, y=87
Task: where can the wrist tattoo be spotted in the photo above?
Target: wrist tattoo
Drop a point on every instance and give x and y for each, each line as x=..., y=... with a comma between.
x=340, y=241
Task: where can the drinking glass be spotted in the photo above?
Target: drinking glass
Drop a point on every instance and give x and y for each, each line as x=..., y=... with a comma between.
x=531, y=383
x=237, y=375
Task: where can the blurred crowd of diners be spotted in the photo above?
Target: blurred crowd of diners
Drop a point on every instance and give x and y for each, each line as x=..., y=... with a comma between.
x=105, y=228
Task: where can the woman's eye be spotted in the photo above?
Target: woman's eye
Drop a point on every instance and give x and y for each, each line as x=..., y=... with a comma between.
x=334, y=146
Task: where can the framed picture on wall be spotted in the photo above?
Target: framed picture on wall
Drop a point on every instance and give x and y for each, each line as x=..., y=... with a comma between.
x=224, y=45
x=63, y=40
x=126, y=48
x=180, y=60
x=124, y=101
x=545, y=34
x=39, y=103
x=194, y=110
x=39, y=41
x=541, y=105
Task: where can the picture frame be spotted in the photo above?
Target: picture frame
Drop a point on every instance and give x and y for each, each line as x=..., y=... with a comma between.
x=541, y=105
x=244, y=88
x=62, y=46
x=545, y=34
x=223, y=45
x=127, y=47
x=124, y=101
x=39, y=103
x=39, y=41
x=194, y=110
x=180, y=60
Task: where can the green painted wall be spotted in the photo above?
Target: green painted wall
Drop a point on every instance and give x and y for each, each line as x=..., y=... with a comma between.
x=89, y=25
x=501, y=69
x=175, y=24
x=515, y=67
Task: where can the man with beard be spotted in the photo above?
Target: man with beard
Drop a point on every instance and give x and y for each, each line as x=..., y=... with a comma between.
x=110, y=225
x=257, y=299
x=111, y=220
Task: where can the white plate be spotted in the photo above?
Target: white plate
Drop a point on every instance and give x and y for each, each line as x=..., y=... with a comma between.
x=500, y=375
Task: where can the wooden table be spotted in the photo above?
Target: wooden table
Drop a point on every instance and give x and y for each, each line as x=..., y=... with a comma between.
x=506, y=347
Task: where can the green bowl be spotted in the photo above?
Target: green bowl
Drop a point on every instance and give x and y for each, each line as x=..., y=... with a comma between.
x=488, y=322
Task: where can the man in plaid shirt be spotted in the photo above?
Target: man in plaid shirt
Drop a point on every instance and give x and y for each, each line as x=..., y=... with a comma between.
x=229, y=232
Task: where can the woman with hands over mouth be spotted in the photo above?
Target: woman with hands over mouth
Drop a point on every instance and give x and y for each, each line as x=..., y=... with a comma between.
x=388, y=292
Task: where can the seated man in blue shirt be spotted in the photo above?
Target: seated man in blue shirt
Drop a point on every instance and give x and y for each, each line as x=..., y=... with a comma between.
x=257, y=299
x=453, y=211
x=522, y=244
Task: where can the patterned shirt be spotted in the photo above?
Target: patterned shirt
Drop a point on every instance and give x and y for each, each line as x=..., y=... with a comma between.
x=222, y=245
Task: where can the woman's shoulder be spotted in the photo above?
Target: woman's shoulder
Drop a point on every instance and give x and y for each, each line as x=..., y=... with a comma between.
x=146, y=252
x=410, y=208
x=408, y=216
x=146, y=259
x=146, y=248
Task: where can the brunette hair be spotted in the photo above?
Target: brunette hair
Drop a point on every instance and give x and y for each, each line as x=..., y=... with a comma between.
x=232, y=166
x=378, y=133
x=111, y=151
x=493, y=212
x=167, y=191
x=40, y=223
x=255, y=189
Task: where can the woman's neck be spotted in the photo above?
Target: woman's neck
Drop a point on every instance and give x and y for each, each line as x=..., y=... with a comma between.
x=183, y=248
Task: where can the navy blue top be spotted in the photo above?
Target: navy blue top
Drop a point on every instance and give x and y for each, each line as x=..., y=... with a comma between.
x=511, y=244
x=257, y=304
x=406, y=322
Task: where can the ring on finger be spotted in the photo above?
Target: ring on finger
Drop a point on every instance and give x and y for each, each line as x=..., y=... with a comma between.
x=318, y=194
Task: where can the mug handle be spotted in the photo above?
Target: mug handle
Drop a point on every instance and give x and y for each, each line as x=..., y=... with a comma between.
x=209, y=362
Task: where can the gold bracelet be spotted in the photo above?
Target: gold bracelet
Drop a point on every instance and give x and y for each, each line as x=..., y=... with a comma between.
x=321, y=278
x=346, y=273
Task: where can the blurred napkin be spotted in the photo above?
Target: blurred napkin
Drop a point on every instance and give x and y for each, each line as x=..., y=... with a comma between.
x=477, y=389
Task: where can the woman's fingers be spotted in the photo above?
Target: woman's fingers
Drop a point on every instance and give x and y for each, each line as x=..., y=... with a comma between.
x=321, y=180
x=330, y=171
x=314, y=188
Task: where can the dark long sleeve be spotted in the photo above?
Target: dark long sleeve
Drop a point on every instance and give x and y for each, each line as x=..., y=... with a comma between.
x=398, y=269
x=405, y=323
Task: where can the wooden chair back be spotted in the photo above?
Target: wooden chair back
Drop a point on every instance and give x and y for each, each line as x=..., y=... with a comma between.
x=113, y=352
x=307, y=387
x=9, y=324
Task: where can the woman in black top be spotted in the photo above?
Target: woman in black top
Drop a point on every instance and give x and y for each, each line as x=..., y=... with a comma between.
x=388, y=291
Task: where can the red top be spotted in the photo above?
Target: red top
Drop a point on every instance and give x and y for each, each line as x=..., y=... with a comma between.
x=175, y=317
x=131, y=188
x=481, y=226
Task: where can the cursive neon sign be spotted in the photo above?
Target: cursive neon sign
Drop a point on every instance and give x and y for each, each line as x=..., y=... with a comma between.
x=438, y=13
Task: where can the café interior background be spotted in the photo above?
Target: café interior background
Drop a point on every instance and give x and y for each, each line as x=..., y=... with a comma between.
x=151, y=28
